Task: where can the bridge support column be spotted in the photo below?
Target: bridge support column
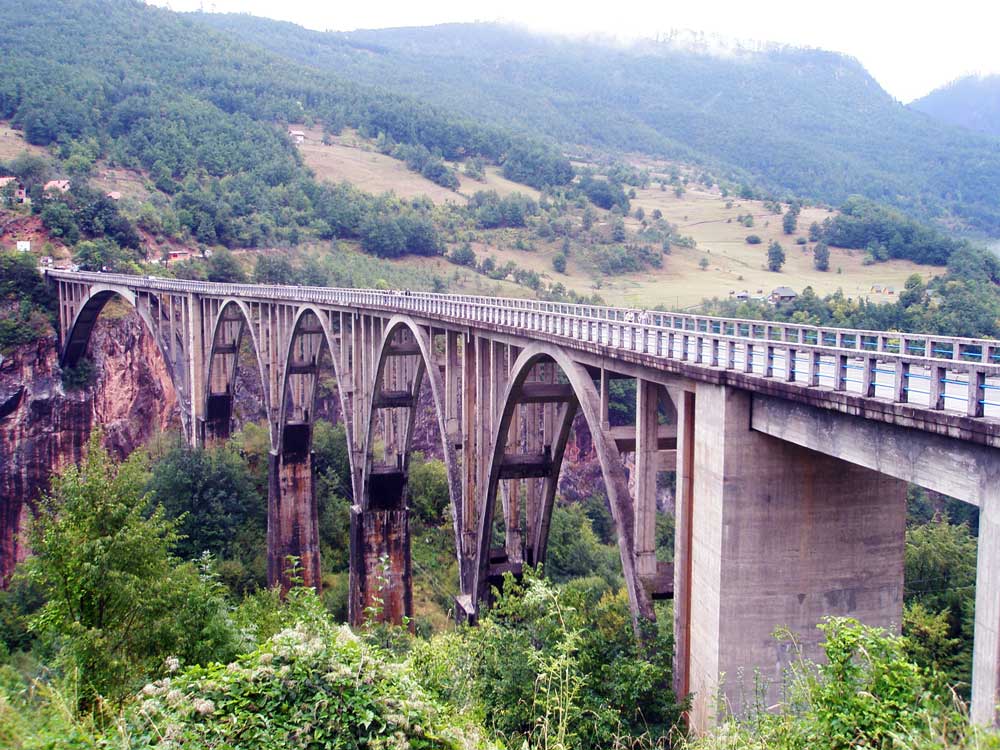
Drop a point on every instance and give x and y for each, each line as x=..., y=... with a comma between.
x=381, y=579
x=292, y=518
x=986, y=647
x=772, y=535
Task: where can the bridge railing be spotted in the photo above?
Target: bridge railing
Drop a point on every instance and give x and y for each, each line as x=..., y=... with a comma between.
x=937, y=372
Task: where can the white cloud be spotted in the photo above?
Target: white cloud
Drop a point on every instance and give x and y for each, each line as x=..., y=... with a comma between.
x=909, y=46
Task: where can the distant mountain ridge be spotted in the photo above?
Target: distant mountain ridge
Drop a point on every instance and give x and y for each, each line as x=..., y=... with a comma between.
x=971, y=102
x=807, y=121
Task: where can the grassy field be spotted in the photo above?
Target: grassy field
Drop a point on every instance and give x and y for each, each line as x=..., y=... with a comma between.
x=735, y=266
x=700, y=213
x=353, y=159
x=12, y=143
x=130, y=183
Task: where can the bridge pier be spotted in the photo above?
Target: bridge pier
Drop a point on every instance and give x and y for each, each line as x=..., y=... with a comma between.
x=292, y=518
x=771, y=535
x=381, y=582
x=986, y=646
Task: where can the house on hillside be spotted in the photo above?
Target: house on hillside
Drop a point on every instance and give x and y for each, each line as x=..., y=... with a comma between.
x=56, y=186
x=783, y=294
x=20, y=194
x=113, y=195
x=742, y=296
x=298, y=136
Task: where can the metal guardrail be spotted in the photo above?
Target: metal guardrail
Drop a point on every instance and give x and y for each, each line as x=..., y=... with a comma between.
x=937, y=372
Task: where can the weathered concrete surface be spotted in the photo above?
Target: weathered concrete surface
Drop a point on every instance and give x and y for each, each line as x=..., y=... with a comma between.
x=780, y=536
x=986, y=646
x=954, y=467
x=292, y=519
x=381, y=578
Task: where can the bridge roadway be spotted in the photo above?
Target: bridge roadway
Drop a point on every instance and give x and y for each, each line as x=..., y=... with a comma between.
x=791, y=446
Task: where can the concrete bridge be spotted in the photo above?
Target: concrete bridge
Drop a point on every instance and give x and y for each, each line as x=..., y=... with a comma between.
x=792, y=446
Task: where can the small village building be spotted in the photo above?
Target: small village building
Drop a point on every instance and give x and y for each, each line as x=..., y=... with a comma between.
x=24, y=246
x=113, y=195
x=783, y=294
x=56, y=186
x=298, y=136
x=20, y=194
x=742, y=296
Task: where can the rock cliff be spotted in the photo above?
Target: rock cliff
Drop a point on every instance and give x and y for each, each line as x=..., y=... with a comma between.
x=45, y=426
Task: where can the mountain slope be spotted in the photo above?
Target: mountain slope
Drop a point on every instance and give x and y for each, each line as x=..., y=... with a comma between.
x=202, y=113
x=811, y=122
x=972, y=102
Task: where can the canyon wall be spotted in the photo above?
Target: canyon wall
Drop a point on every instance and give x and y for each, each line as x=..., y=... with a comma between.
x=45, y=426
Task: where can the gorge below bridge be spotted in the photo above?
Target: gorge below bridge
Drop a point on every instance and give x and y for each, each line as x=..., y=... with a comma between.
x=792, y=446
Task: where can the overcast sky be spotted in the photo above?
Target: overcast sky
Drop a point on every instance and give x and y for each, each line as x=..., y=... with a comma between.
x=910, y=46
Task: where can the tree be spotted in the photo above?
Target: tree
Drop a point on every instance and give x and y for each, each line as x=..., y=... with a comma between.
x=211, y=493
x=98, y=255
x=790, y=221
x=464, y=255
x=703, y=263
x=223, y=267
x=273, y=269
x=821, y=257
x=559, y=263
x=775, y=256
x=428, y=486
x=618, y=230
x=117, y=601
x=31, y=170
x=381, y=235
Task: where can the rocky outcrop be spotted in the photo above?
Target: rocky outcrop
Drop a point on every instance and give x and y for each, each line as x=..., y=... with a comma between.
x=45, y=426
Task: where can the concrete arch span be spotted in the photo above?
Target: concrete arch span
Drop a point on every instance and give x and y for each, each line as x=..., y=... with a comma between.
x=81, y=327
x=232, y=323
x=379, y=519
x=577, y=393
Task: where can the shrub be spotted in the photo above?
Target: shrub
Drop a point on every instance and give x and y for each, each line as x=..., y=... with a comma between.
x=314, y=685
x=753, y=239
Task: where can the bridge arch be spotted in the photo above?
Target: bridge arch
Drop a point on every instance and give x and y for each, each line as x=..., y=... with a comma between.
x=231, y=323
x=577, y=393
x=403, y=359
x=419, y=348
x=311, y=337
x=82, y=325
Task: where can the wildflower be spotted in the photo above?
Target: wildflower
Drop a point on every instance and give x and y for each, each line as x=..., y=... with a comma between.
x=204, y=706
x=172, y=664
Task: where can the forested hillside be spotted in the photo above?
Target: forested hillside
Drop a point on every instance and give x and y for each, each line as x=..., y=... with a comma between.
x=972, y=102
x=810, y=122
x=202, y=114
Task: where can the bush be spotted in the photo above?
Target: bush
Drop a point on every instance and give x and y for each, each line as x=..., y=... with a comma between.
x=314, y=685
x=753, y=239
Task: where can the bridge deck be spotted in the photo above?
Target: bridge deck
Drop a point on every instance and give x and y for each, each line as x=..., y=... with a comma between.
x=942, y=384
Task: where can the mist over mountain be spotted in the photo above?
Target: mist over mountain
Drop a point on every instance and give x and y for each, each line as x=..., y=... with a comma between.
x=971, y=102
x=806, y=121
